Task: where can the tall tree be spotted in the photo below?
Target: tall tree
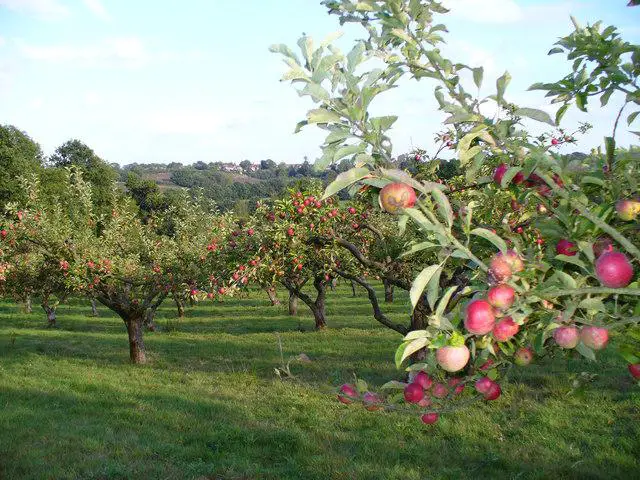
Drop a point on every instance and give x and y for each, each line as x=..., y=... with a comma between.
x=19, y=155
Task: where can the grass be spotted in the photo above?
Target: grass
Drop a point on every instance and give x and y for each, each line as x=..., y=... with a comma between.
x=209, y=406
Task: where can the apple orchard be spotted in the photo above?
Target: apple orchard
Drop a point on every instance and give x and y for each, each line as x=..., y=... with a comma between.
x=509, y=251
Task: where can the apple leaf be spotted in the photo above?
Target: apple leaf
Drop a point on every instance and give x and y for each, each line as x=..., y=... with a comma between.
x=420, y=283
x=344, y=180
x=492, y=237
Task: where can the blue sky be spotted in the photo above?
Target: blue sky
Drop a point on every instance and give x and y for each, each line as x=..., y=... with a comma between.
x=193, y=80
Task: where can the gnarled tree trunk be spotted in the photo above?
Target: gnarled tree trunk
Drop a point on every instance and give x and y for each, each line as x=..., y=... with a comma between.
x=137, y=352
x=94, y=308
x=50, y=311
x=271, y=292
x=353, y=288
x=388, y=291
x=179, y=304
x=293, y=304
x=27, y=304
x=419, y=321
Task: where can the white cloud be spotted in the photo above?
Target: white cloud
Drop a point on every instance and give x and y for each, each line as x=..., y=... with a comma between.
x=486, y=11
x=48, y=9
x=98, y=9
x=127, y=51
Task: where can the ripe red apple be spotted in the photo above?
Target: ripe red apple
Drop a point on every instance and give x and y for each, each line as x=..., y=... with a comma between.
x=565, y=247
x=614, y=270
x=627, y=209
x=372, y=401
x=634, y=370
x=397, y=196
x=566, y=336
x=501, y=296
x=514, y=260
x=291, y=232
x=479, y=317
x=594, y=337
x=352, y=210
x=554, y=141
x=222, y=290
x=483, y=385
x=500, y=268
x=3, y=233
x=210, y=295
x=413, y=393
x=439, y=390
x=488, y=364
x=347, y=393
x=429, y=418
x=423, y=380
x=499, y=172
x=493, y=392
x=505, y=329
x=451, y=358
x=250, y=232
x=523, y=356
x=425, y=402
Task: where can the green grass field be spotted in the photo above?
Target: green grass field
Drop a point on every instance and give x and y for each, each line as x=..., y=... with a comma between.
x=209, y=406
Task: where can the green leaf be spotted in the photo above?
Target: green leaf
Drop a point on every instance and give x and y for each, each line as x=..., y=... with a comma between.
x=593, y=304
x=420, y=283
x=535, y=114
x=632, y=117
x=508, y=176
x=393, y=385
x=560, y=113
x=354, y=57
x=348, y=150
x=572, y=260
x=418, y=247
x=444, y=301
x=586, y=352
x=415, y=334
x=322, y=115
x=469, y=154
x=592, y=180
x=402, y=35
x=361, y=386
x=284, y=50
x=411, y=348
x=478, y=73
x=492, y=237
x=344, y=180
x=444, y=207
x=555, y=50
x=433, y=288
x=581, y=101
x=501, y=86
x=332, y=37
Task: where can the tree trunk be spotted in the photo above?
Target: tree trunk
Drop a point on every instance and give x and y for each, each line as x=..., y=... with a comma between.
x=27, y=304
x=137, y=353
x=180, y=305
x=94, y=308
x=51, y=314
x=388, y=292
x=149, y=317
x=293, y=304
x=353, y=288
x=271, y=291
x=419, y=322
x=319, y=310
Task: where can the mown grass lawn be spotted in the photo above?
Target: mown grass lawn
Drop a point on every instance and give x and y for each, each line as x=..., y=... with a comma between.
x=209, y=406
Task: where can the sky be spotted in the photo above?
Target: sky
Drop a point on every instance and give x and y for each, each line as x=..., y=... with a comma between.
x=159, y=81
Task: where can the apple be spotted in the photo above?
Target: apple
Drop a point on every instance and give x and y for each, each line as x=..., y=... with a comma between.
x=628, y=209
x=413, y=393
x=352, y=210
x=423, y=380
x=479, y=317
x=500, y=268
x=452, y=359
x=614, y=270
x=565, y=247
x=372, y=401
x=566, y=336
x=3, y=233
x=634, y=370
x=429, y=418
x=347, y=393
x=523, y=356
x=440, y=390
x=394, y=197
x=291, y=232
x=250, y=232
x=493, y=392
x=555, y=141
x=594, y=337
x=483, y=385
x=505, y=329
x=501, y=169
x=602, y=245
x=501, y=296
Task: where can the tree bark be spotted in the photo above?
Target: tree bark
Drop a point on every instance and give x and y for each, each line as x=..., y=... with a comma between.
x=27, y=304
x=319, y=310
x=51, y=313
x=353, y=288
x=388, y=291
x=137, y=352
x=94, y=308
x=419, y=322
x=179, y=305
x=293, y=304
x=273, y=297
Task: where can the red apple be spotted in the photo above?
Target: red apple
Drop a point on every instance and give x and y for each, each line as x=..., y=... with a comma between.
x=594, y=337
x=429, y=418
x=347, y=393
x=479, y=317
x=413, y=393
x=614, y=270
x=423, y=380
x=602, y=245
x=439, y=390
x=499, y=172
x=554, y=141
x=483, y=385
x=352, y=210
x=372, y=401
x=523, y=356
x=500, y=269
x=3, y=233
x=291, y=232
x=567, y=336
x=493, y=392
x=452, y=359
x=397, y=196
x=505, y=329
x=501, y=296
x=634, y=370
x=565, y=247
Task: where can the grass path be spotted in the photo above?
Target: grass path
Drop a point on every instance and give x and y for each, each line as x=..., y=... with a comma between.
x=208, y=405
